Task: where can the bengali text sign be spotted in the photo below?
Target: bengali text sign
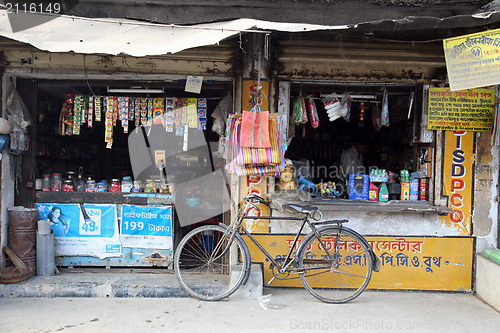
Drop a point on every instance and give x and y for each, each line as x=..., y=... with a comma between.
x=418, y=263
x=473, y=60
x=469, y=110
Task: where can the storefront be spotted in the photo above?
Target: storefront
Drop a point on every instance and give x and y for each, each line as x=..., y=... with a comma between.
x=426, y=238
x=113, y=192
x=423, y=231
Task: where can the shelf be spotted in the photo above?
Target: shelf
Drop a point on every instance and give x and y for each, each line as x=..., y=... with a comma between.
x=104, y=197
x=393, y=206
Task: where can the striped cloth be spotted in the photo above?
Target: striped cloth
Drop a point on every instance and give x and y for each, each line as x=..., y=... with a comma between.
x=254, y=161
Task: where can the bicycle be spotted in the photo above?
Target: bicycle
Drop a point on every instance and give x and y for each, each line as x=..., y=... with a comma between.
x=334, y=263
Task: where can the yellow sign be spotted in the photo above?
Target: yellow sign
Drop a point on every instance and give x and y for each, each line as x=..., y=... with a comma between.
x=418, y=263
x=256, y=184
x=253, y=92
x=470, y=110
x=458, y=163
x=473, y=60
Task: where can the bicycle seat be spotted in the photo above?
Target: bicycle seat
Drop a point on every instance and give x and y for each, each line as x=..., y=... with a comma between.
x=302, y=209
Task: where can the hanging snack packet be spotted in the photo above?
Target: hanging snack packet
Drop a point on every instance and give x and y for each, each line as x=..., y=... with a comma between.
x=150, y=111
x=77, y=114
x=91, y=111
x=169, y=114
x=313, y=112
x=192, y=112
x=202, y=113
x=123, y=112
x=97, y=108
x=108, y=121
x=158, y=110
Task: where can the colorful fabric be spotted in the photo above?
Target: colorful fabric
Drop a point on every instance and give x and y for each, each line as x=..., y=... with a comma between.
x=253, y=161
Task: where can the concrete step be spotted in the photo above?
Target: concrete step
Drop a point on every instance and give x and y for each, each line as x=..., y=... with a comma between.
x=488, y=280
x=109, y=283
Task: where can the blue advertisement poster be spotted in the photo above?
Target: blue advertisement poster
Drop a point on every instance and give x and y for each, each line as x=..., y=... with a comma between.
x=90, y=233
x=146, y=227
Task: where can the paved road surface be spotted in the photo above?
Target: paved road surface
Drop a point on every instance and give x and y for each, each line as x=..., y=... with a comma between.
x=288, y=311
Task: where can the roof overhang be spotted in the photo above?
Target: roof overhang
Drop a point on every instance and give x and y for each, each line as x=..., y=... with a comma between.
x=136, y=38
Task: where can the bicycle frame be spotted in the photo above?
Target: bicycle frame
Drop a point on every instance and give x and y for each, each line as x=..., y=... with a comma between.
x=288, y=260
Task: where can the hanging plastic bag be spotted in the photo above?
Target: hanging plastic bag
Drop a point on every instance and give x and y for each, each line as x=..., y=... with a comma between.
x=346, y=106
x=19, y=142
x=313, y=112
x=255, y=128
x=17, y=112
x=376, y=118
x=333, y=107
x=385, y=110
x=220, y=113
x=300, y=111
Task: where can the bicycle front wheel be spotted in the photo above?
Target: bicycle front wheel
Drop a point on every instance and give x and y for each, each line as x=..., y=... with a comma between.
x=337, y=267
x=210, y=264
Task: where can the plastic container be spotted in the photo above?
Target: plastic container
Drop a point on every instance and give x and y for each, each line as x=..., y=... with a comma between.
x=414, y=185
x=373, y=192
x=115, y=186
x=46, y=183
x=102, y=186
x=137, y=187
x=68, y=186
x=383, y=193
x=150, y=186
x=405, y=190
x=127, y=184
x=90, y=186
x=56, y=182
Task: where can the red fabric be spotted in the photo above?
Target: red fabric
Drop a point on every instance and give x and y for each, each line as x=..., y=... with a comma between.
x=255, y=129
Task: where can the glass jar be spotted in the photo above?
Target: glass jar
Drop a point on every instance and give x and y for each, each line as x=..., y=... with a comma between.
x=137, y=187
x=90, y=186
x=46, y=183
x=68, y=186
x=150, y=186
x=56, y=183
x=126, y=184
x=115, y=186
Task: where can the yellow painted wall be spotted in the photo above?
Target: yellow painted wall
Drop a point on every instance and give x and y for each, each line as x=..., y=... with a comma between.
x=413, y=263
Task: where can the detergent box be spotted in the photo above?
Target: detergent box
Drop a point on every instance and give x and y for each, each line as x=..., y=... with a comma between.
x=359, y=186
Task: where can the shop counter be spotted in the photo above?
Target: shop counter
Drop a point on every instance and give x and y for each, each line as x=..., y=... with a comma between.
x=392, y=206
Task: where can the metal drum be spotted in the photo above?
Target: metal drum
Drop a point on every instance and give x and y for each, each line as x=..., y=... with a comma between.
x=22, y=234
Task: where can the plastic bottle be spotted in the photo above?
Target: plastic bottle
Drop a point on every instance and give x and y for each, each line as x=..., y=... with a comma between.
x=56, y=182
x=373, y=192
x=80, y=183
x=414, y=185
x=383, y=193
x=46, y=183
x=127, y=184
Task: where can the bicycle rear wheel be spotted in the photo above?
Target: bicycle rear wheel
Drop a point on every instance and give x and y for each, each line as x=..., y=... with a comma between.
x=337, y=271
x=209, y=264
